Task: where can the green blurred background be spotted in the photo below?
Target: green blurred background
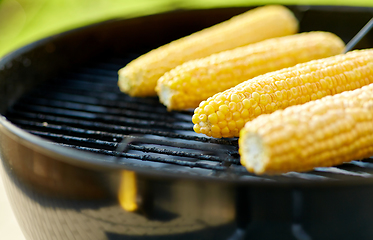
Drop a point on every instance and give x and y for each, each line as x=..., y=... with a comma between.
x=24, y=21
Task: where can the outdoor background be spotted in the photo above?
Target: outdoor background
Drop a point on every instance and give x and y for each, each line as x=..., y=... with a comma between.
x=24, y=21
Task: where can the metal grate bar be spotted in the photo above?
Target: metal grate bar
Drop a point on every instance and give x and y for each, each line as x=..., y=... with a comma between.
x=342, y=171
x=84, y=109
x=94, y=77
x=84, y=85
x=96, y=73
x=13, y=115
x=236, y=171
x=110, y=145
x=111, y=94
x=104, y=109
x=87, y=133
x=100, y=117
x=108, y=100
x=365, y=165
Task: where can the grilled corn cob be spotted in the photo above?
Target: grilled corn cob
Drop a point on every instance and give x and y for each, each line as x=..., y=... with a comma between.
x=321, y=133
x=225, y=113
x=140, y=77
x=188, y=84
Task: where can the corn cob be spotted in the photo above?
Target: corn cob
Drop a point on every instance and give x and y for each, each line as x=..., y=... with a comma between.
x=321, y=133
x=188, y=84
x=225, y=113
x=140, y=77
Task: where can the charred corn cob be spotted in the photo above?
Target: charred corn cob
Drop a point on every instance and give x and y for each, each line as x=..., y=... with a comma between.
x=188, y=84
x=225, y=113
x=321, y=133
x=140, y=77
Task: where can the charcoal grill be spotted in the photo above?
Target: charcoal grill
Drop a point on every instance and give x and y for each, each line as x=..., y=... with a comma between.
x=71, y=142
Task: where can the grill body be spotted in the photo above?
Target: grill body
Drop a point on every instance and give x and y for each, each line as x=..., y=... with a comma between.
x=69, y=188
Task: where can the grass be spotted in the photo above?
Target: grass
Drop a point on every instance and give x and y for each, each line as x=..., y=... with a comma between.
x=24, y=21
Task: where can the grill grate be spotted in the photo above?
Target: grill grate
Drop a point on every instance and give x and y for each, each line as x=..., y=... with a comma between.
x=84, y=109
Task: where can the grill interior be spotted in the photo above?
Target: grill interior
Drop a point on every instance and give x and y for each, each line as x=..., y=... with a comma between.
x=82, y=108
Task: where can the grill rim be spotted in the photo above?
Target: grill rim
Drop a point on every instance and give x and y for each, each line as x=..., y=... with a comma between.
x=97, y=161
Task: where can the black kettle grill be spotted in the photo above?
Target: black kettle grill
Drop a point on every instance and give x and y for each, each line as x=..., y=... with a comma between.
x=69, y=175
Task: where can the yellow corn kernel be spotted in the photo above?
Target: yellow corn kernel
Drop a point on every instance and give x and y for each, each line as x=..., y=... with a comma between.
x=328, y=132
x=140, y=76
x=213, y=118
x=262, y=103
x=217, y=72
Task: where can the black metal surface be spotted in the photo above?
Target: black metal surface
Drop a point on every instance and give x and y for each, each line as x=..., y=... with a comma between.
x=94, y=122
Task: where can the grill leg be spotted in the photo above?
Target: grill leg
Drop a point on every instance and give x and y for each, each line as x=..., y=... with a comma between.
x=296, y=227
x=243, y=213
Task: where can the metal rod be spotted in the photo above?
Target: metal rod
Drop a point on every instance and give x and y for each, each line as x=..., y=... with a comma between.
x=296, y=228
x=356, y=39
x=243, y=214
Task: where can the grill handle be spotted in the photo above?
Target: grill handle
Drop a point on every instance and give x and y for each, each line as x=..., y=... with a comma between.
x=357, y=38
